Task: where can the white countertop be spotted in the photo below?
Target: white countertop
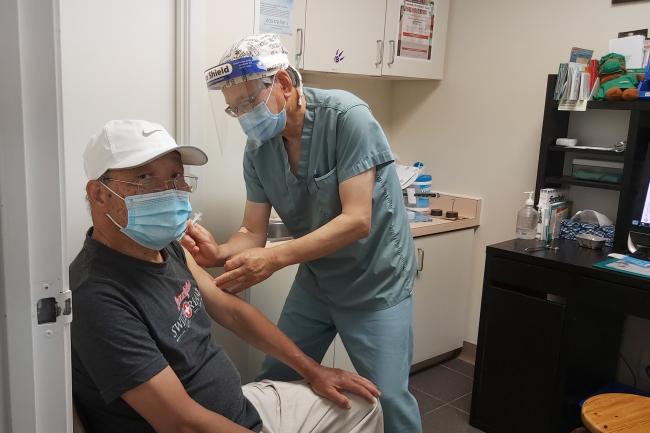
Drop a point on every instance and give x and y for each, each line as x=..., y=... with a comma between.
x=441, y=225
x=468, y=208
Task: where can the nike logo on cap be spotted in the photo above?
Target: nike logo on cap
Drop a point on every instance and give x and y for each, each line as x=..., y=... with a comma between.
x=148, y=133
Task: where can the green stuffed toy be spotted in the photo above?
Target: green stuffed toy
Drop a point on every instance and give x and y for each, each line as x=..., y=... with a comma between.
x=616, y=83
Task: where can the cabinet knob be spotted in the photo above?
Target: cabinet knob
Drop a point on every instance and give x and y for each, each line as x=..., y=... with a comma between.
x=380, y=52
x=391, y=48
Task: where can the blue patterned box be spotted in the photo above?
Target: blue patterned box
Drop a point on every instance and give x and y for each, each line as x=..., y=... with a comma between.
x=570, y=229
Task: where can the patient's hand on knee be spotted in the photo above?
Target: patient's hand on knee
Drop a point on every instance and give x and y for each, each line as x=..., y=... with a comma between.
x=331, y=382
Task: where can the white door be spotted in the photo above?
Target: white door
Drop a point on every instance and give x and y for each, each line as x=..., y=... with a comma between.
x=344, y=36
x=441, y=293
x=33, y=267
x=412, y=48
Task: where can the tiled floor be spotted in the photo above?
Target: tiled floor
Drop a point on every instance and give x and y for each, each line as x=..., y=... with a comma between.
x=444, y=393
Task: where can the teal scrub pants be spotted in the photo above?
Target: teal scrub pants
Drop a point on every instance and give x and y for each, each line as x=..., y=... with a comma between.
x=380, y=345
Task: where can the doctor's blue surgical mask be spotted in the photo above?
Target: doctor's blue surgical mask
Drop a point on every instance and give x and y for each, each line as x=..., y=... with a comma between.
x=260, y=124
x=155, y=219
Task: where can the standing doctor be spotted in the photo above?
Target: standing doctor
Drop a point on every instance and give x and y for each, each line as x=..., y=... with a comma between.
x=322, y=161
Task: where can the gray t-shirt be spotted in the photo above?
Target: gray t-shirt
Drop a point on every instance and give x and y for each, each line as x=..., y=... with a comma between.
x=131, y=320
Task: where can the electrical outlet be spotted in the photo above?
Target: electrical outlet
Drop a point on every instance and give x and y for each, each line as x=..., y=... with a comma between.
x=644, y=367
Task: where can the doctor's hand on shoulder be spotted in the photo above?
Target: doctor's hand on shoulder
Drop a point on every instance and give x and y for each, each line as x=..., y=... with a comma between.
x=201, y=244
x=247, y=268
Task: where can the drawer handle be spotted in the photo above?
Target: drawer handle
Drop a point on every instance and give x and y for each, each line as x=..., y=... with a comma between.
x=391, y=45
x=301, y=44
x=380, y=52
x=420, y=260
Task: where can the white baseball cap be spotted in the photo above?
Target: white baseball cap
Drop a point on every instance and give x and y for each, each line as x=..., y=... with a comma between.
x=132, y=143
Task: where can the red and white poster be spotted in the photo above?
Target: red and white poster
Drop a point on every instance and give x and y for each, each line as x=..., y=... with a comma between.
x=416, y=21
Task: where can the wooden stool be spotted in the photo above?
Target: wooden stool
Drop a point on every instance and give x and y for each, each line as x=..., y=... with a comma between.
x=617, y=413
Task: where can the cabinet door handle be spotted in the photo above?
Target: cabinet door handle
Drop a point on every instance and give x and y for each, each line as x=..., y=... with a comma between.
x=391, y=45
x=301, y=42
x=420, y=260
x=380, y=52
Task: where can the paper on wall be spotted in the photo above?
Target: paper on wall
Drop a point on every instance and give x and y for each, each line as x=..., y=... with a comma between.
x=415, y=33
x=273, y=16
x=631, y=47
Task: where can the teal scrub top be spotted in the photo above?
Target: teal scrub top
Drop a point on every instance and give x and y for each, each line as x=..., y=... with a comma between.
x=340, y=139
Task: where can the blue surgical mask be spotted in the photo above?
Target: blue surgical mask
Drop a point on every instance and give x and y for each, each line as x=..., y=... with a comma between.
x=157, y=218
x=260, y=124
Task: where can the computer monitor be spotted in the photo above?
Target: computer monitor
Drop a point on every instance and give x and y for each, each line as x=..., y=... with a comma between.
x=639, y=237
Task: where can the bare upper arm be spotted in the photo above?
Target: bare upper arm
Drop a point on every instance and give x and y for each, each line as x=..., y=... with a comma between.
x=164, y=403
x=356, y=194
x=221, y=306
x=256, y=218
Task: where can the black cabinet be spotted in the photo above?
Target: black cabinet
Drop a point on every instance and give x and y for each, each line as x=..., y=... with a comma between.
x=523, y=336
x=551, y=323
x=549, y=335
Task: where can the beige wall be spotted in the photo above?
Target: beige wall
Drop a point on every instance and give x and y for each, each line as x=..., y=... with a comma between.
x=376, y=92
x=479, y=128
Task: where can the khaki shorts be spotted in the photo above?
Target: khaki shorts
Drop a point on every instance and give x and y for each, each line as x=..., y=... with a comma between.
x=292, y=407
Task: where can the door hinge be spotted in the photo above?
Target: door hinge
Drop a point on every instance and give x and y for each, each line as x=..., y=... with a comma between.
x=55, y=308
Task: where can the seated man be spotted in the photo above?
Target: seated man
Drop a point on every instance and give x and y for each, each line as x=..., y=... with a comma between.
x=143, y=358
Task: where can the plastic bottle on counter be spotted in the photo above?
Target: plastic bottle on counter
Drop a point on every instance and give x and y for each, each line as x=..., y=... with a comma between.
x=422, y=185
x=527, y=219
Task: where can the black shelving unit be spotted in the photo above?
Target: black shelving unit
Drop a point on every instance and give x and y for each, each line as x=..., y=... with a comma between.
x=550, y=171
x=568, y=180
x=600, y=154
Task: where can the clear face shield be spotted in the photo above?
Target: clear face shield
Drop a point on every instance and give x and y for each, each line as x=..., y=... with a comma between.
x=235, y=89
x=243, y=98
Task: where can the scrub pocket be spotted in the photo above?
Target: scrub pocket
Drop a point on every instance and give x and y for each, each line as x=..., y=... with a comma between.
x=326, y=188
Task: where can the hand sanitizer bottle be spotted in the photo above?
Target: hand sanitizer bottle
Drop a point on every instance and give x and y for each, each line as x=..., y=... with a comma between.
x=527, y=219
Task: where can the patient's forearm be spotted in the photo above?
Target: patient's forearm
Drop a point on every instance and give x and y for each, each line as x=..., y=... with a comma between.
x=166, y=405
x=248, y=323
x=254, y=328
